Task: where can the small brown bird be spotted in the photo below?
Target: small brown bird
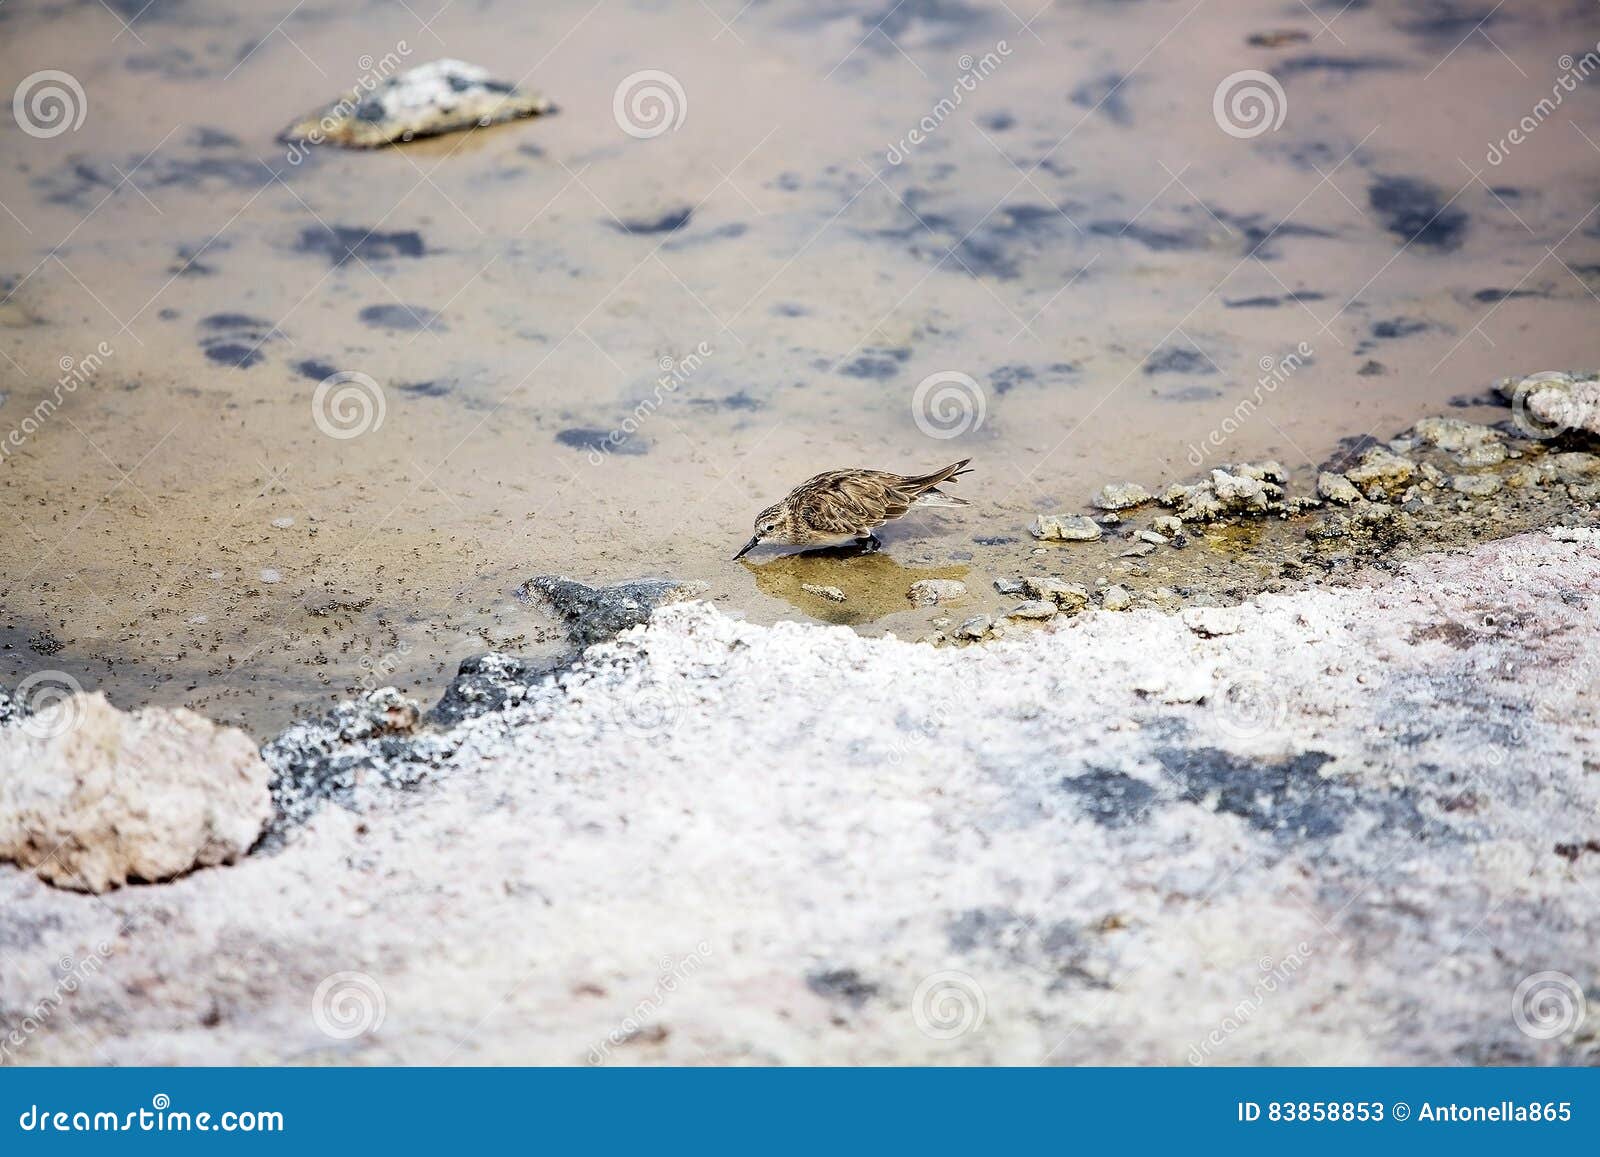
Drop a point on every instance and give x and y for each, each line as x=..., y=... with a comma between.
x=844, y=505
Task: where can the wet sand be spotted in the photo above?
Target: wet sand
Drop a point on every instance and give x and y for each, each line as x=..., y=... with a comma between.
x=1079, y=237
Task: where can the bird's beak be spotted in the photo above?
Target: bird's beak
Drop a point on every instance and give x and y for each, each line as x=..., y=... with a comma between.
x=755, y=540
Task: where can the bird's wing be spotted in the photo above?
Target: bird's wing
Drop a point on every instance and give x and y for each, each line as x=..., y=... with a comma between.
x=847, y=501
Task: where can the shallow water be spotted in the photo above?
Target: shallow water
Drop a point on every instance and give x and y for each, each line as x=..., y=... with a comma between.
x=1120, y=278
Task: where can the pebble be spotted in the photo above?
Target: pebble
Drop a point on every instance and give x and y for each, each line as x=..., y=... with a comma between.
x=1337, y=488
x=975, y=628
x=932, y=592
x=1033, y=609
x=1475, y=485
x=1008, y=586
x=1167, y=524
x=832, y=594
x=1121, y=496
x=1153, y=538
x=283, y=523
x=1065, y=528
x=268, y=575
x=1116, y=598
x=1140, y=551
x=1057, y=591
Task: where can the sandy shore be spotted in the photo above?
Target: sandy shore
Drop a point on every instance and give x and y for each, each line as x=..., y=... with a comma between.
x=1329, y=827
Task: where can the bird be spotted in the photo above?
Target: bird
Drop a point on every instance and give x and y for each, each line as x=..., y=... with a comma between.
x=841, y=506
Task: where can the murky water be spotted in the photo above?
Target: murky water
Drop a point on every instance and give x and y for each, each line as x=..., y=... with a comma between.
x=600, y=353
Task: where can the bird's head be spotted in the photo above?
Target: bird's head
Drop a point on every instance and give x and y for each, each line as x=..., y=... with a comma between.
x=772, y=524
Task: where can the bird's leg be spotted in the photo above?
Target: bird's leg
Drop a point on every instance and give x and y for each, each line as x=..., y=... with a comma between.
x=869, y=542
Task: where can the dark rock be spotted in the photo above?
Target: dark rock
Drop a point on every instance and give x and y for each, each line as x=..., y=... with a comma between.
x=596, y=614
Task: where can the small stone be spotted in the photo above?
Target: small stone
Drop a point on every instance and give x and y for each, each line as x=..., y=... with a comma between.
x=1069, y=596
x=1166, y=524
x=932, y=592
x=1033, y=609
x=1008, y=586
x=1121, y=496
x=1065, y=528
x=1116, y=598
x=1140, y=551
x=283, y=523
x=1211, y=621
x=1380, y=473
x=1337, y=488
x=1473, y=445
x=1152, y=538
x=268, y=575
x=1475, y=485
x=975, y=628
x=832, y=594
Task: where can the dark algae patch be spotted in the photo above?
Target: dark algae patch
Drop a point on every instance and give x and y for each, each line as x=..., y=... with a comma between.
x=1418, y=213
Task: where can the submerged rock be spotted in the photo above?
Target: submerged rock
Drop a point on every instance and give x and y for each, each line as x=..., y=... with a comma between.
x=932, y=592
x=1033, y=609
x=1065, y=528
x=1067, y=596
x=92, y=797
x=595, y=614
x=442, y=96
x=977, y=627
x=832, y=594
x=1121, y=496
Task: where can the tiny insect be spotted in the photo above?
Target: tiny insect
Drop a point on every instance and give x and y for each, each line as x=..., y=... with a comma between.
x=842, y=506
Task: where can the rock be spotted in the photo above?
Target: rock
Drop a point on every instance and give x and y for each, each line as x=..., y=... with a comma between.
x=1116, y=598
x=92, y=797
x=832, y=594
x=1337, y=488
x=1152, y=538
x=1033, y=609
x=1240, y=490
x=1546, y=404
x=441, y=96
x=1575, y=466
x=1166, y=524
x=932, y=592
x=1381, y=473
x=1008, y=586
x=1211, y=622
x=596, y=614
x=1474, y=446
x=1143, y=550
x=1065, y=528
x=1068, y=596
x=1475, y=485
x=1121, y=496
x=483, y=684
x=975, y=628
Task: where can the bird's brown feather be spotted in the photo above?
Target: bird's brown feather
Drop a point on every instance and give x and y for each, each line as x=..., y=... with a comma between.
x=841, y=503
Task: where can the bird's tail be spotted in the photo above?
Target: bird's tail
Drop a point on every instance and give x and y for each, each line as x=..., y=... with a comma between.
x=927, y=482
